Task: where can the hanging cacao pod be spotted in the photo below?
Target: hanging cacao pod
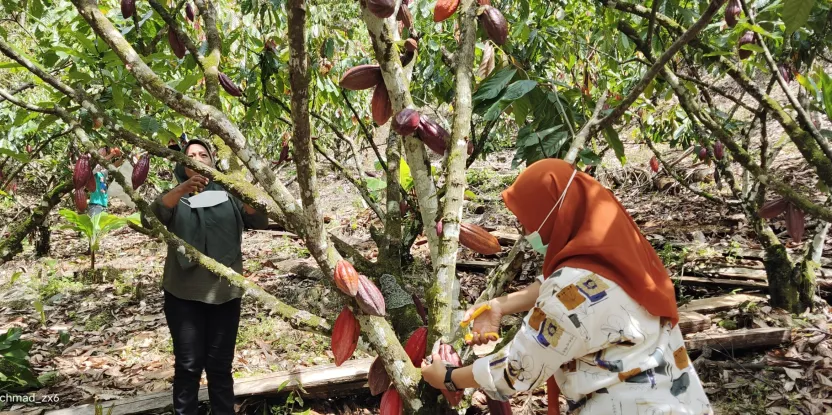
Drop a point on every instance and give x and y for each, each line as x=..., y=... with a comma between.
x=404, y=16
x=772, y=208
x=406, y=122
x=747, y=38
x=478, y=239
x=495, y=24
x=732, y=12
x=444, y=9
x=369, y=297
x=346, y=278
x=82, y=172
x=439, y=229
x=391, y=403
x=719, y=150
x=470, y=148
x=403, y=207
x=420, y=308
x=140, y=171
x=229, y=86
x=81, y=200
x=377, y=378
x=496, y=407
x=484, y=2
x=786, y=72
x=176, y=45
x=411, y=44
x=432, y=134
x=703, y=153
x=381, y=106
x=91, y=184
x=654, y=164
x=128, y=7
x=189, y=12
x=284, y=153
x=417, y=345
x=361, y=77
x=97, y=123
x=795, y=222
x=345, y=336
x=448, y=354
x=381, y=8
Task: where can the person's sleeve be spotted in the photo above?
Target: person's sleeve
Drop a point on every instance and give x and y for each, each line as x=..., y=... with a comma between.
x=162, y=212
x=537, y=351
x=254, y=220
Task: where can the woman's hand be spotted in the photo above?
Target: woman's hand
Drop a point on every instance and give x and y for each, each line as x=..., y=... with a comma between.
x=434, y=373
x=195, y=184
x=486, y=325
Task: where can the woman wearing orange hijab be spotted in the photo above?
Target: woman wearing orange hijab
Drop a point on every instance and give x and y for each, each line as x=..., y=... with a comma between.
x=603, y=318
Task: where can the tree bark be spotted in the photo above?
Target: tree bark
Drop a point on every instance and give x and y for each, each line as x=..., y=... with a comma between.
x=11, y=245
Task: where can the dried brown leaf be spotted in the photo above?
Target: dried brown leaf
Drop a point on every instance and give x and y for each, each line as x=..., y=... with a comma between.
x=487, y=62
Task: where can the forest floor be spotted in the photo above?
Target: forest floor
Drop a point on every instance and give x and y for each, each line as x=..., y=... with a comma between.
x=107, y=339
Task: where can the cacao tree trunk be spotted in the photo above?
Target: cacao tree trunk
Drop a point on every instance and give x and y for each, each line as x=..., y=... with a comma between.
x=11, y=245
x=42, y=241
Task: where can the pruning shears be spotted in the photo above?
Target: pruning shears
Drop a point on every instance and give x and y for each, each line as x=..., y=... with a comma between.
x=465, y=324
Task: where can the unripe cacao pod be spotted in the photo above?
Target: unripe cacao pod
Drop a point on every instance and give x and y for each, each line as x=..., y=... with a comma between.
x=795, y=222
x=91, y=184
x=732, y=12
x=128, y=7
x=176, y=45
x=391, y=403
x=448, y=354
x=377, y=378
x=189, y=12
x=772, y=208
x=361, y=77
x=478, y=239
x=382, y=108
x=140, y=171
x=81, y=200
x=703, y=153
x=719, y=150
x=406, y=122
x=654, y=164
x=369, y=297
x=404, y=16
x=746, y=39
x=82, y=172
x=381, y=8
x=229, y=86
x=444, y=9
x=346, y=278
x=432, y=134
x=496, y=407
x=345, y=336
x=417, y=345
x=439, y=229
x=495, y=24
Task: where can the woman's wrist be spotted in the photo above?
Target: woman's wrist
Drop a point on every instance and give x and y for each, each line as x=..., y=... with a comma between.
x=520, y=301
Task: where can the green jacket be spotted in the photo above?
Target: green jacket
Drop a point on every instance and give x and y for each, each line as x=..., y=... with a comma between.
x=215, y=231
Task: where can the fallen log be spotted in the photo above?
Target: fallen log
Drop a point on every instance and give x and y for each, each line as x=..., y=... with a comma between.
x=739, y=339
x=693, y=322
x=754, y=285
x=722, y=303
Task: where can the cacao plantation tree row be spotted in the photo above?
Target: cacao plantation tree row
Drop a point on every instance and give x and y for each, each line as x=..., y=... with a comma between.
x=382, y=90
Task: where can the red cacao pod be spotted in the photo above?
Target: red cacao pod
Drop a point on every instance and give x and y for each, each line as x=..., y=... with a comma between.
x=361, y=77
x=439, y=229
x=495, y=24
x=496, y=407
x=444, y=9
x=140, y=171
x=345, y=336
x=382, y=108
x=284, y=153
x=786, y=72
x=433, y=135
x=406, y=122
x=128, y=7
x=404, y=16
x=411, y=44
x=229, y=86
x=346, y=278
x=773, y=208
x=654, y=164
x=377, y=378
x=381, y=8
x=91, y=184
x=747, y=38
x=417, y=345
x=703, y=153
x=478, y=239
x=189, y=12
x=403, y=207
x=795, y=222
x=391, y=403
x=82, y=173
x=732, y=12
x=719, y=150
x=420, y=308
x=484, y=2
x=29, y=148
x=369, y=297
x=81, y=200
x=448, y=354
x=470, y=147
x=176, y=45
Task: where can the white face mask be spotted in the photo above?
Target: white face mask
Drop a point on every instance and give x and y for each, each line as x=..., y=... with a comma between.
x=534, y=238
x=207, y=198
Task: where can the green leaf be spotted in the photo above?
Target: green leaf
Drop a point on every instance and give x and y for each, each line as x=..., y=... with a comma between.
x=39, y=308
x=615, y=142
x=589, y=157
x=149, y=124
x=15, y=155
x=405, y=178
x=10, y=65
x=514, y=91
x=492, y=86
x=796, y=13
x=36, y=8
x=826, y=87
x=15, y=276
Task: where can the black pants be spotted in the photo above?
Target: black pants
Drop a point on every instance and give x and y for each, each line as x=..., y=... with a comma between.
x=204, y=336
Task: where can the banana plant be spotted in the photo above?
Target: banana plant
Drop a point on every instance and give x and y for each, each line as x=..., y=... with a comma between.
x=95, y=227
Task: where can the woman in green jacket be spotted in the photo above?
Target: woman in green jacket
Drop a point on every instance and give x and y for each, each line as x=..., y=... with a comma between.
x=203, y=309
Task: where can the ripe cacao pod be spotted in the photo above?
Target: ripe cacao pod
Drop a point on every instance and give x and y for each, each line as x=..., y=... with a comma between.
x=96, y=123
x=369, y=297
x=140, y=171
x=381, y=8
x=786, y=72
x=420, y=308
x=81, y=200
x=417, y=345
x=377, y=378
x=82, y=173
x=345, y=336
x=703, y=153
x=391, y=403
x=128, y=7
x=732, y=12
x=795, y=222
x=444, y=9
x=284, y=153
x=403, y=207
x=404, y=16
x=719, y=150
x=470, y=148
x=432, y=134
x=495, y=24
x=654, y=164
x=176, y=45
x=411, y=44
x=772, y=208
x=496, y=407
x=346, y=278
x=448, y=354
x=478, y=239
x=439, y=229
x=406, y=122
x=747, y=38
x=91, y=184
x=361, y=77
x=29, y=148
x=382, y=108
x=229, y=86
x=484, y=2
x=189, y=12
